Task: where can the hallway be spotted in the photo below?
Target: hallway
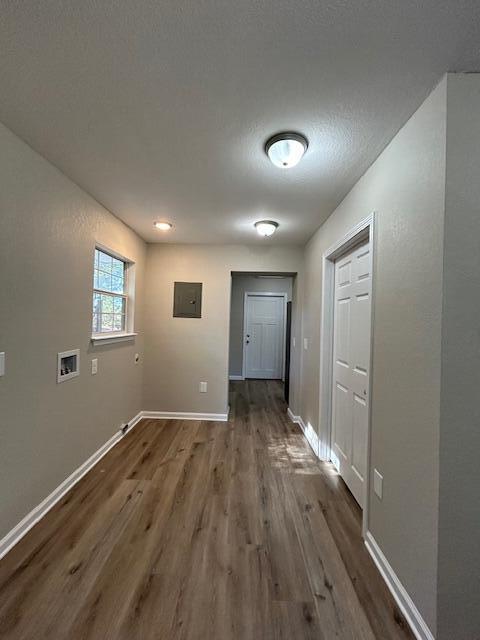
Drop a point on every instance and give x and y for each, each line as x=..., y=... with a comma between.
x=200, y=530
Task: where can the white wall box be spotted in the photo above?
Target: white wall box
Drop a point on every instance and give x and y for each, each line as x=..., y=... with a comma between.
x=68, y=365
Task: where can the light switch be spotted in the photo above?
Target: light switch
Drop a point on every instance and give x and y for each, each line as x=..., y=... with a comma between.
x=2, y=363
x=203, y=387
x=94, y=366
x=378, y=483
x=294, y=342
x=305, y=344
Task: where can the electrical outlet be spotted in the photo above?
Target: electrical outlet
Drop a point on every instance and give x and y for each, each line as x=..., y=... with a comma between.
x=203, y=387
x=378, y=484
x=94, y=366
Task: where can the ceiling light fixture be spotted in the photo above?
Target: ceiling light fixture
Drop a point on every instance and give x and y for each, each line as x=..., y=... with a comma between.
x=286, y=150
x=163, y=226
x=266, y=227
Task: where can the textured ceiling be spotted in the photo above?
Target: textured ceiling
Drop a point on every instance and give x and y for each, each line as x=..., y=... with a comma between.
x=160, y=109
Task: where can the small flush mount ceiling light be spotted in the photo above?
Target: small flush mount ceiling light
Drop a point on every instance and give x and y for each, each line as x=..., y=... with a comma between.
x=163, y=226
x=266, y=227
x=286, y=150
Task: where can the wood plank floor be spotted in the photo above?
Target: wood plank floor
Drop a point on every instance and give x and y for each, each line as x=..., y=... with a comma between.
x=196, y=530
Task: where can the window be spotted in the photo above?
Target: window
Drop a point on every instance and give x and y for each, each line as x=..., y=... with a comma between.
x=110, y=295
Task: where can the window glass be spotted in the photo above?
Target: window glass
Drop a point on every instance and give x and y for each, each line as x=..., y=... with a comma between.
x=109, y=294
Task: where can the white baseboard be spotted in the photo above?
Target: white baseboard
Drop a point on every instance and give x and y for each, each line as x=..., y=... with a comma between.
x=294, y=418
x=308, y=430
x=30, y=520
x=404, y=601
x=236, y=378
x=177, y=415
x=312, y=438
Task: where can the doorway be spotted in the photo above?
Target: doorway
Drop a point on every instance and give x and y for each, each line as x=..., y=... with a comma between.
x=345, y=358
x=264, y=340
x=260, y=321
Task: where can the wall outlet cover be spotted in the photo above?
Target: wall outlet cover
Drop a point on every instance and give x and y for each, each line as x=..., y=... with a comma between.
x=94, y=366
x=203, y=387
x=378, y=484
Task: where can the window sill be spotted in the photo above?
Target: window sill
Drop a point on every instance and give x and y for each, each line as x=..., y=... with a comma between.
x=111, y=338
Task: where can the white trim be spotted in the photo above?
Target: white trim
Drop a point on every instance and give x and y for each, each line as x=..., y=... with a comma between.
x=111, y=338
x=284, y=330
x=365, y=228
x=312, y=437
x=398, y=591
x=236, y=378
x=177, y=415
x=294, y=418
x=308, y=431
x=105, y=292
x=37, y=513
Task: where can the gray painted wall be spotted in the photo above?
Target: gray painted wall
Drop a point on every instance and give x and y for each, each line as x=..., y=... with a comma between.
x=406, y=188
x=241, y=284
x=184, y=351
x=459, y=517
x=48, y=231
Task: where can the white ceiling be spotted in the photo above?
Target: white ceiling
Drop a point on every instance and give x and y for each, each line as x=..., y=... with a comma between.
x=160, y=109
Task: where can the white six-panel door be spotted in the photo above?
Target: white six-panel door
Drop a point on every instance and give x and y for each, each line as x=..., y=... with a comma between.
x=263, y=336
x=351, y=367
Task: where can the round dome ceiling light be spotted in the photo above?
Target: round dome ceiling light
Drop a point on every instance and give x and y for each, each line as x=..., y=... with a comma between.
x=163, y=226
x=266, y=227
x=286, y=150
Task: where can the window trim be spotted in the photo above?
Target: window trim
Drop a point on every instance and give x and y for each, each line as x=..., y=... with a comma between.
x=110, y=338
x=129, y=296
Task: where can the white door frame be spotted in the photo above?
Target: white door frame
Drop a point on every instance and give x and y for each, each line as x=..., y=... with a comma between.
x=284, y=333
x=363, y=230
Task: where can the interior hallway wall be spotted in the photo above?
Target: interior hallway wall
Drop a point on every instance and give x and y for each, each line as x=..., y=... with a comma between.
x=405, y=186
x=48, y=231
x=184, y=351
x=459, y=514
x=241, y=285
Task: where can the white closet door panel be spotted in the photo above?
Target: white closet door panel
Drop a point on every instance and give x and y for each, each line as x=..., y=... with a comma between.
x=351, y=364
